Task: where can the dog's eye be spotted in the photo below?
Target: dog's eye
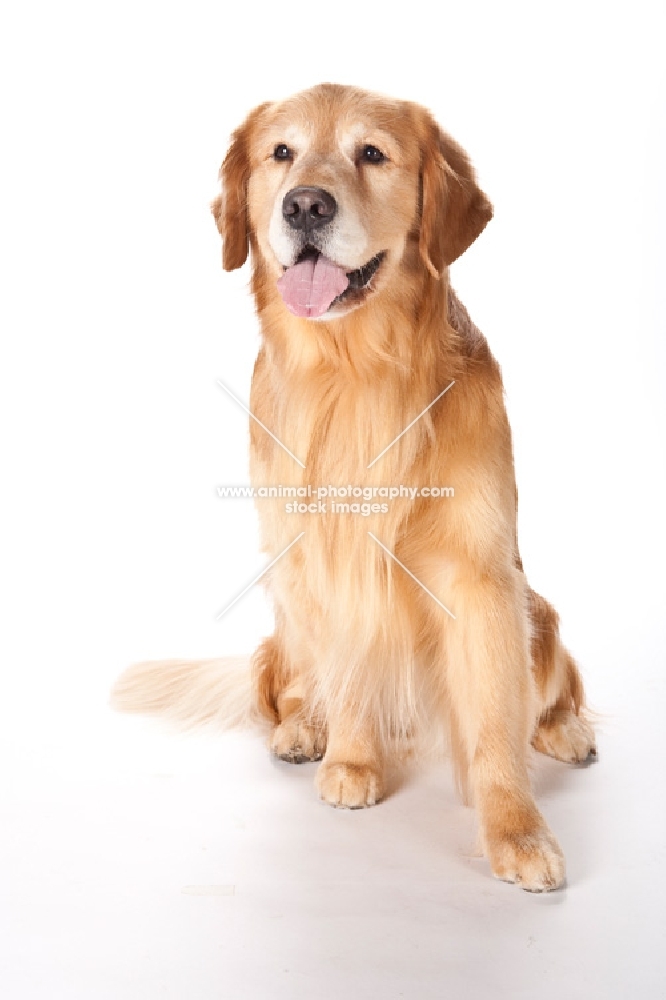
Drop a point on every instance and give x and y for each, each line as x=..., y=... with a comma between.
x=282, y=152
x=370, y=154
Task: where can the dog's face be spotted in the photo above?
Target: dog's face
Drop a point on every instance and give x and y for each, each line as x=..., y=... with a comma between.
x=336, y=189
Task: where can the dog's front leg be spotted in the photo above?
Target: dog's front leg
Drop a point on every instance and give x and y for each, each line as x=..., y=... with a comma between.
x=350, y=775
x=490, y=688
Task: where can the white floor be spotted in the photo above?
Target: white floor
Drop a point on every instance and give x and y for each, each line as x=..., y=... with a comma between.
x=137, y=863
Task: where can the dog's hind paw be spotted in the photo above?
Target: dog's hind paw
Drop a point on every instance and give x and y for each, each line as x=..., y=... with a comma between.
x=297, y=742
x=566, y=737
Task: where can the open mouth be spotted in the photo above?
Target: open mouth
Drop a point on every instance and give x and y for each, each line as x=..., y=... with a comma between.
x=314, y=283
x=358, y=279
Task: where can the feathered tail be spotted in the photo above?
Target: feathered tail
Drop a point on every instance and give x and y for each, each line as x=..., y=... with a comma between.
x=190, y=693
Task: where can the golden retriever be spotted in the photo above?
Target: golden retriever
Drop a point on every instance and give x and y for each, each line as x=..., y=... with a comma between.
x=389, y=617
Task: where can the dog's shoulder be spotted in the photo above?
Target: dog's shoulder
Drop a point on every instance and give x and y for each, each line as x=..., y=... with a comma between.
x=471, y=341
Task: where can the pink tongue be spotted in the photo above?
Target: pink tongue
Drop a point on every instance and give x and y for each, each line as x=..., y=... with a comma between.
x=308, y=288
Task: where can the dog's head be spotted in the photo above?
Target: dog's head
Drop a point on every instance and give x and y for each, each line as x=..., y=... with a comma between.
x=336, y=189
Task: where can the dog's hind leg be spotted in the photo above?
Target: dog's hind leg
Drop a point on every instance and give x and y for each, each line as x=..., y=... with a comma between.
x=280, y=697
x=562, y=729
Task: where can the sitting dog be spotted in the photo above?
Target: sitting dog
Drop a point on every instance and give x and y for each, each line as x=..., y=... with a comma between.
x=417, y=611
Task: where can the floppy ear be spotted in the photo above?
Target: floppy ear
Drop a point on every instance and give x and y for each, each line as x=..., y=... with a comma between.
x=230, y=209
x=454, y=209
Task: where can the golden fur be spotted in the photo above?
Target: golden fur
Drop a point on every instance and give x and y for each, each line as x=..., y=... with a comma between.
x=362, y=658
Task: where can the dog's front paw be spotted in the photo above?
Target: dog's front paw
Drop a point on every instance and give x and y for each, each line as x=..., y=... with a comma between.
x=349, y=786
x=534, y=861
x=297, y=742
x=566, y=737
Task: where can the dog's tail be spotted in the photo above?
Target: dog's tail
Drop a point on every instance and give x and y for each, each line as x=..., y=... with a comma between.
x=190, y=693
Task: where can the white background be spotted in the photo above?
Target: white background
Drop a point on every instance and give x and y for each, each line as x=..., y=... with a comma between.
x=117, y=319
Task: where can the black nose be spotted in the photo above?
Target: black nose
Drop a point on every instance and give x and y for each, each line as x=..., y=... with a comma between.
x=308, y=208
